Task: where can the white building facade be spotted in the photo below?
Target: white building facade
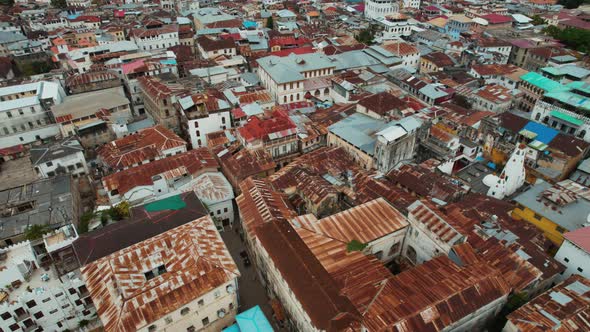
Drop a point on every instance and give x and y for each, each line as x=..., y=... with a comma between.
x=24, y=112
x=380, y=8
x=573, y=254
x=40, y=298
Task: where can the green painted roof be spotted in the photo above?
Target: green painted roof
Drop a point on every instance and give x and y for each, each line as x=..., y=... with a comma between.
x=571, y=70
x=566, y=117
x=580, y=85
x=570, y=98
x=543, y=82
x=170, y=203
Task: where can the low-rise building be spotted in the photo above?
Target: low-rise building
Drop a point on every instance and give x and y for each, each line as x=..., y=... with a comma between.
x=554, y=209
x=141, y=147
x=172, y=290
x=574, y=253
x=53, y=202
x=244, y=163
x=563, y=305
x=64, y=156
x=159, y=178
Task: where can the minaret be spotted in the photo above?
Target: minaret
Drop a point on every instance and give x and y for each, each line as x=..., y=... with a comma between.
x=512, y=176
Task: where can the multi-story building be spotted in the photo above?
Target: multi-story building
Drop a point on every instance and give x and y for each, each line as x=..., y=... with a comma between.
x=24, y=112
x=88, y=115
x=159, y=93
x=184, y=278
x=283, y=77
x=375, y=143
x=64, y=156
x=213, y=48
x=565, y=108
x=409, y=53
x=139, y=148
x=493, y=98
x=36, y=297
x=534, y=86
x=134, y=69
x=456, y=25
x=276, y=134
x=574, y=253
x=201, y=114
x=435, y=61
x=395, y=26
x=380, y=8
x=157, y=37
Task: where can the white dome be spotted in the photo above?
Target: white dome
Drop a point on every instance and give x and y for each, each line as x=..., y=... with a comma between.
x=490, y=180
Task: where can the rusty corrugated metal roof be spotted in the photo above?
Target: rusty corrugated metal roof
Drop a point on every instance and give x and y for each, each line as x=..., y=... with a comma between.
x=364, y=223
x=563, y=308
x=196, y=261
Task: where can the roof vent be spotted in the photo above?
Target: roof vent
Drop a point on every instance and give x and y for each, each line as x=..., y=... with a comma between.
x=299, y=61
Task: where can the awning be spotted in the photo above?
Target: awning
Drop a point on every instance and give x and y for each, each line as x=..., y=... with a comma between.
x=538, y=145
x=528, y=134
x=566, y=117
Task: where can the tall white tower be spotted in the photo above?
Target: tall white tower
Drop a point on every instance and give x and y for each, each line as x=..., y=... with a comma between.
x=512, y=176
x=380, y=8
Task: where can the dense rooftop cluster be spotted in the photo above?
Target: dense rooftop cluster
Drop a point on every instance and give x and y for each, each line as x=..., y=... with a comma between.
x=358, y=165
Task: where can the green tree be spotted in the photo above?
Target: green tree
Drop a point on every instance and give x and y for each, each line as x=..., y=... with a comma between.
x=59, y=4
x=570, y=4
x=7, y=3
x=365, y=36
x=577, y=39
x=270, y=23
x=355, y=245
x=538, y=20
x=34, y=232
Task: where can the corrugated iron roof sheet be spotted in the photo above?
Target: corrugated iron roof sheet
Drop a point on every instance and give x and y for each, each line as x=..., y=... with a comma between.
x=196, y=262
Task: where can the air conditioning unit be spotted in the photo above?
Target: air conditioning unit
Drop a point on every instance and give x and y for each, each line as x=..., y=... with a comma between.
x=230, y=289
x=221, y=313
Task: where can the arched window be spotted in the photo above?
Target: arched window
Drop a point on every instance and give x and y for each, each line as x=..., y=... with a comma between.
x=326, y=91
x=316, y=93
x=582, y=134
x=537, y=117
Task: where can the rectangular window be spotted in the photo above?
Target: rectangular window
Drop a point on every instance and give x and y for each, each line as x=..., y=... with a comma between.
x=560, y=229
x=205, y=321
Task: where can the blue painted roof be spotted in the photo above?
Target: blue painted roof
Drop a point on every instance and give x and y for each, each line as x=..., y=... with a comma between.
x=253, y=320
x=544, y=133
x=249, y=24
x=232, y=328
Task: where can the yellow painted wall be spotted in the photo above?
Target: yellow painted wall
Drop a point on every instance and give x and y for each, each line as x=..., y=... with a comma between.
x=548, y=227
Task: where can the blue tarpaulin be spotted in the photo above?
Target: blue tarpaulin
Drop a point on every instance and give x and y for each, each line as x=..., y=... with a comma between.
x=544, y=133
x=251, y=320
x=491, y=165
